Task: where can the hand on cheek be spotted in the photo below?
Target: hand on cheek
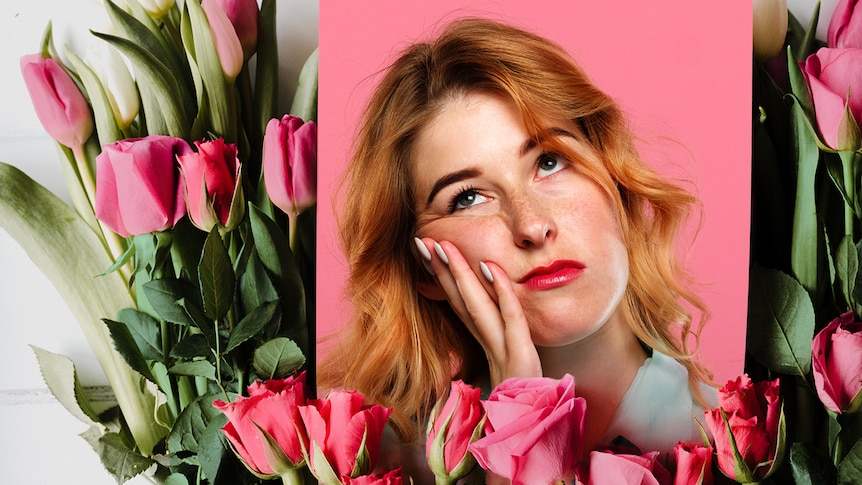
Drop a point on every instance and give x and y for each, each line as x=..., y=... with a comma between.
x=488, y=307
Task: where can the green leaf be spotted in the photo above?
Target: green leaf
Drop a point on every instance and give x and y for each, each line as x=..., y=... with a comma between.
x=211, y=447
x=216, y=277
x=277, y=358
x=62, y=379
x=305, y=100
x=850, y=468
x=200, y=368
x=146, y=332
x=166, y=293
x=262, y=316
x=118, y=458
x=126, y=345
x=847, y=267
x=191, y=346
x=266, y=76
x=53, y=234
x=255, y=285
x=810, y=467
x=191, y=425
x=780, y=322
x=106, y=124
x=176, y=479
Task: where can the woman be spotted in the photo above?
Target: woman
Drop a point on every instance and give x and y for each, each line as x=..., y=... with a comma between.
x=499, y=223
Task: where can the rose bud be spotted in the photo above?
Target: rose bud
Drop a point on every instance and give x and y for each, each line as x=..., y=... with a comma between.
x=290, y=163
x=59, y=104
x=748, y=423
x=243, y=15
x=138, y=186
x=344, y=435
x=451, y=430
x=265, y=429
x=845, y=26
x=213, y=185
x=770, y=27
x=608, y=468
x=534, y=430
x=837, y=364
x=392, y=477
x=830, y=74
x=226, y=42
x=693, y=464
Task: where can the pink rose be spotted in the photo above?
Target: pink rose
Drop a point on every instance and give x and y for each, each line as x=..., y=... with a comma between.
x=830, y=73
x=138, y=186
x=693, y=464
x=290, y=163
x=837, y=364
x=213, y=186
x=845, y=26
x=392, y=477
x=243, y=15
x=608, y=468
x=535, y=429
x=753, y=415
x=272, y=407
x=344, y=435
x=59, y=104
x=452, y=429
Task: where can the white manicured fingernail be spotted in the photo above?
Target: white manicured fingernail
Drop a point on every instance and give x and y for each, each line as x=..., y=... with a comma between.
x=439, y=250
x=486, y=272
x=423, y=251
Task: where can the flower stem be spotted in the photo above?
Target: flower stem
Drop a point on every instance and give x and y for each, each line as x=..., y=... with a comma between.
x=848, y=160
x=292, y=477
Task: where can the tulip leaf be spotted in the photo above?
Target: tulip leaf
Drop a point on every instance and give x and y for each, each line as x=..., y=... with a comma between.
x=277, y=358
x=850, y=468
x=266, y=74
x=780, y=322
x=121, y=460
x=267, y=314
x=165, y=294
x=217, y=278
x=191, y=425
x=62, y=379
x=305, y=100
x=199, y=368
x=847, y=267
x=809, y=466
x=107, y=128
x=191, y=346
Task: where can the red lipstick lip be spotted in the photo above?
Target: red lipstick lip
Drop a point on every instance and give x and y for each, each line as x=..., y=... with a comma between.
x=555, y=274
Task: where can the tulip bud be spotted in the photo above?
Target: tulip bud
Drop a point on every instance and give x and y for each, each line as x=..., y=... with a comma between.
x=119, y=86
x=243, y=14
x=157, y=8
x=290, y=163
x=59, y=104
x=770, y=27
x=460, y=422
x=226, y=42
x=837, y=366
x=213, y=185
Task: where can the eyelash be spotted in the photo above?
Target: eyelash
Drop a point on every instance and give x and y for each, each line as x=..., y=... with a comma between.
x=454, y=200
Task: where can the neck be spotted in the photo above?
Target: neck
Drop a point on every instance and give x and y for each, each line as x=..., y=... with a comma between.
x=604, y=365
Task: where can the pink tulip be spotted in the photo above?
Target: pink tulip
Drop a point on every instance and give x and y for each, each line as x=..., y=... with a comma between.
x=453, y=428
x=392, y=477
x=608, y=468
x=272, y=406
x=837, y=364
x=845, y=26
x=753, y=415
x=138, y=186
x=59, y=104
x=342, y=430
x=535, y=429
x=227, y=44
x=830, y=74
x=213, y=187
x=290, y=163
x=243, y=14
x=693, y=464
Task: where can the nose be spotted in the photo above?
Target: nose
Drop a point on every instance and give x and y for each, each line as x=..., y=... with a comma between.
x=532, y=224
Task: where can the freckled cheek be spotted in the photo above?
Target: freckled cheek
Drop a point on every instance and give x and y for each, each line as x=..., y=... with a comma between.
x=478, y=239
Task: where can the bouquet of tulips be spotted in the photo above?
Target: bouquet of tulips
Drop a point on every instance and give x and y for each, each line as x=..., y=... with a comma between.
x=188, y=255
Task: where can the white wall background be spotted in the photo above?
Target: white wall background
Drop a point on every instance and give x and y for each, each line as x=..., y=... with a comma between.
x=41, y=443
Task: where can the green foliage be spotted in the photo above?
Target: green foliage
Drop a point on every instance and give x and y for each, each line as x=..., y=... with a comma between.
x=277, y=358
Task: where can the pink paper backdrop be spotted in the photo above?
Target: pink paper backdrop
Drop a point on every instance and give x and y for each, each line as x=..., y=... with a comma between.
x=680, y=69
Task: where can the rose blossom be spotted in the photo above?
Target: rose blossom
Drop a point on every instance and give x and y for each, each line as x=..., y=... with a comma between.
x=392, y=477
x=608, y=468
x=845, y=26
x=837, y=364
x=452, y=429
x=213, y=186
x=830, y=74
x=693, y=464
x=535, y=429
x=753, y=414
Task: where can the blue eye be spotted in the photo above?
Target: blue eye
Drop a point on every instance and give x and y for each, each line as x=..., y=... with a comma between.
x=549, y=163
x=465, y=198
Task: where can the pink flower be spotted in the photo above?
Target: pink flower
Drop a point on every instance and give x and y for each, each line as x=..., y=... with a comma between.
x=392, y=477
x=845, y=26
x=837, y=364
x=693, y=464
x=272, y=409
x=344, y=434
x=227, y=44
x=452, y=429
x=830, y=74
x=243, y=15
x=59, y=104
x=534, y=430
x=213, y=188
x=138, y=186
x=754, y=413
x=290, y=163
x=608, y=468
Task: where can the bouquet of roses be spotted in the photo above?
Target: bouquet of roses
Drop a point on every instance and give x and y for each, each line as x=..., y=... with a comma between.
x=188, y=257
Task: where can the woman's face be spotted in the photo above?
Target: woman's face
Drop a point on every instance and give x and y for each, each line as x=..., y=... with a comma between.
x=484, y=184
